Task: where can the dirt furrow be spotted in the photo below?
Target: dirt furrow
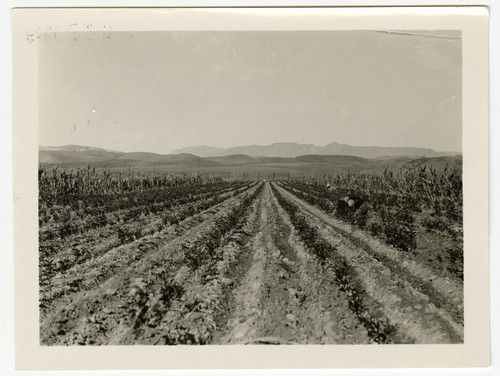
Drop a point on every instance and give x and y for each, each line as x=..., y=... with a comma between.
x=95, y=271
x=285, y=296
x=201, y=306
x=416, y=317
x=323, y=311
x=70, y=317
x=445, y=290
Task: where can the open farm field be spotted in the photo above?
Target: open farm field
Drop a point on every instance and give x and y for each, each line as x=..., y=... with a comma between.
x=357, y=258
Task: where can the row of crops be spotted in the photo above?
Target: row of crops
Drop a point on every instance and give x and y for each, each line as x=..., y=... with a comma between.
x=402, y=203
x=423, y=188
x=91, y=211
x=406, y=207
x=159, y=264
x=440, y=286
x=82, y=228
x=172, y=295
x=181, y=303
x=377, y=326
x=56, y=183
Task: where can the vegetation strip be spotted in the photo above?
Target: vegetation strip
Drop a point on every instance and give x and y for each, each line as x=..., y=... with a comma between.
x=436, y=297
x=325, y=309
x=152, y=285
x=71, y=276
x=194, y=318
x=396, y=219
x=378, y=327
x=66, y=254
x=233, y=270
x=73, y=214
x=94, y=271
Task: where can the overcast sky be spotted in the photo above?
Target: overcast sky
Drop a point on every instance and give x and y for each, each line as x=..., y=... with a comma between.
x=160, y=91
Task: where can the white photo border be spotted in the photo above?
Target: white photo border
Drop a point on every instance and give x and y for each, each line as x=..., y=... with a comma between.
x=472, y=21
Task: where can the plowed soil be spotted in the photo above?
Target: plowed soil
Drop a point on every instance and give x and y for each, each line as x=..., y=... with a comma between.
x=266, y=289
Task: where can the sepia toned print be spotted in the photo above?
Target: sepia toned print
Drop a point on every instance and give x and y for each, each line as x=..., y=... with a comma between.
x=294, y=125
x=251, y=188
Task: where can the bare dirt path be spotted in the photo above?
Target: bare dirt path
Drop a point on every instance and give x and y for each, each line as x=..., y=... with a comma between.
x=285, y=296
x=424, y=308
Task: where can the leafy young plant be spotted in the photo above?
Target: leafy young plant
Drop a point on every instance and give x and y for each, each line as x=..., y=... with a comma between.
x=455, y=257
x=379, y=329
x=399, y=229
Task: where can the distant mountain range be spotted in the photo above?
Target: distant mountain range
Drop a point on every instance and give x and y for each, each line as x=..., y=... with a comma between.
x=73, y=148
x=292, y=149
x=72, y=156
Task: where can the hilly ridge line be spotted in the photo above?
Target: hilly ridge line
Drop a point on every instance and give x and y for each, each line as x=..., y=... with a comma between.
x=74, y=156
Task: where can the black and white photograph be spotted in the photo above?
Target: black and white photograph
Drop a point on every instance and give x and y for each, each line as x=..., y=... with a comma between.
x=261, y=186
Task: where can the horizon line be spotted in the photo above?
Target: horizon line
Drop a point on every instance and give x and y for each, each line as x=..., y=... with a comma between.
x=253, y=145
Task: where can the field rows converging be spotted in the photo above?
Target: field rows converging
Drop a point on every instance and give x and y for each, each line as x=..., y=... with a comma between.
x=99, y=253
x=214, y=261
x=413, y=316
x=86, y=282
x=441, y=289
x=285, y=296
